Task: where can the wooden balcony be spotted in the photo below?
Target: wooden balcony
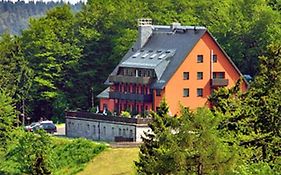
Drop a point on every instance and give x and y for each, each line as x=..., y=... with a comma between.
x=130, y=96
x=219, y=82
x=130, y=79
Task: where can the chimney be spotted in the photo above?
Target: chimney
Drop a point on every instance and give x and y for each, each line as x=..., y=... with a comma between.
x=145, y=31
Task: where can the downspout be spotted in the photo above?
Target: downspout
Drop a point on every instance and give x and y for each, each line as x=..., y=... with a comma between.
x=211, y=64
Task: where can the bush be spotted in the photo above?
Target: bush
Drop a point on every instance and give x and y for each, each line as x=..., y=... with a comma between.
x=72, y=155
x=125, y=114
x=39, y=153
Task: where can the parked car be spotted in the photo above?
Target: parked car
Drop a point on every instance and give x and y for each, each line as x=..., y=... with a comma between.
x=32, y=127
x=48, y=126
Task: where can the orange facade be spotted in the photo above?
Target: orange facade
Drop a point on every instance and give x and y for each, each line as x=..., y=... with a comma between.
x=205, y=68
x=173, y=91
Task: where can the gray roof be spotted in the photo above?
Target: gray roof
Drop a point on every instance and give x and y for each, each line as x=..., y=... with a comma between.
x=104, y=93
x=175, y=44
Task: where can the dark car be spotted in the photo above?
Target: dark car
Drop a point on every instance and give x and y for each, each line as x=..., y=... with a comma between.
x=48, y=126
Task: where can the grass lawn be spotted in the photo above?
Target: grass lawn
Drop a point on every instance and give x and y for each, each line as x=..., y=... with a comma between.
x=72, y=155
x=113, y=161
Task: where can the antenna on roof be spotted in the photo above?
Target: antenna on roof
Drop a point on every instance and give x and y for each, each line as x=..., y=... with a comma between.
x=144, y=21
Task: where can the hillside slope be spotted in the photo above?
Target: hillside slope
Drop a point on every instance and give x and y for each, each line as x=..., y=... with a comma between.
x=115, y=161
x=14, y=16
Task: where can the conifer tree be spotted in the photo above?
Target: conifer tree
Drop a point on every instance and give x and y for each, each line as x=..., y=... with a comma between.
x=153, y=151
x=187, y=144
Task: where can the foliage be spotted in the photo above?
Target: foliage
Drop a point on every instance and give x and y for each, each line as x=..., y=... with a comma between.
x=39, y=153
x=29, y=153
x=64, y=57
x=53, y=57
x=125, y=114
x=259, y=168
x=185, y=145
x=15, y=14
x=253, y=119
x=72, y=155
x=16, y=75
x=7, y=119
x=263, y=100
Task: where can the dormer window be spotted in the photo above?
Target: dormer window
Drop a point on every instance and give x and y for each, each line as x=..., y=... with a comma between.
x=145, y=55
x=162, y=56
x=136, y=54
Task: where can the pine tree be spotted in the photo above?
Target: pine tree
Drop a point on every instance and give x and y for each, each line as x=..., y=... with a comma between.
x=264, y=114
x=153, y=156
x=187, y=144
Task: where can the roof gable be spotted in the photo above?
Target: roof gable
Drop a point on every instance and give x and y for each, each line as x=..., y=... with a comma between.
x=180, y=41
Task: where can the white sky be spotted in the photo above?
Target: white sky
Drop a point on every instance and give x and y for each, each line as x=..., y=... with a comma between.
x=71, y=1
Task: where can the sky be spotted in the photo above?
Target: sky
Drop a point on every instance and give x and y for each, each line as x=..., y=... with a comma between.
x=71, y=1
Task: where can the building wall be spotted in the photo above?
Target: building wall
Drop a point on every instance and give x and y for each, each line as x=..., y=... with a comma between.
x=139, y=132
x=108, y=102
x=157, y=99
x=175, y=86
x=102, y=130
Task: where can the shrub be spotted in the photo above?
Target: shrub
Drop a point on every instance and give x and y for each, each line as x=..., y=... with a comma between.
x=125, y=114
x=72, y=155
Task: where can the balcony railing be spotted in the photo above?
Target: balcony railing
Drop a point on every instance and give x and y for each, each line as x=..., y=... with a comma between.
x=130, y=96
x=129, y=79
x=219, y=82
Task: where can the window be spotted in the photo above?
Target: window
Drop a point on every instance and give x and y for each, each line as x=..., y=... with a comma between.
x=131, y=133
x=186, y=75
x=158, y=92
x=218, y=75
x=186, y=92
x=215, y=58
x=120, y=132
x=139, y=73
x=124, y=132
x=94, y=129
x=221, y=75
x=137, y=108
x=113, y=133
x=199, y=58
x=199, y=75
x=104, y=131
x=199, y=92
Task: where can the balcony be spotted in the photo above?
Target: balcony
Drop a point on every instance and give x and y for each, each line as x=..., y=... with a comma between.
x=130, y=79
x=130, y=96
x=219, y=82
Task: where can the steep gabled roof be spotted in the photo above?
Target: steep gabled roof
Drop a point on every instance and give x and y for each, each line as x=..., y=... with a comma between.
x=176, y=42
